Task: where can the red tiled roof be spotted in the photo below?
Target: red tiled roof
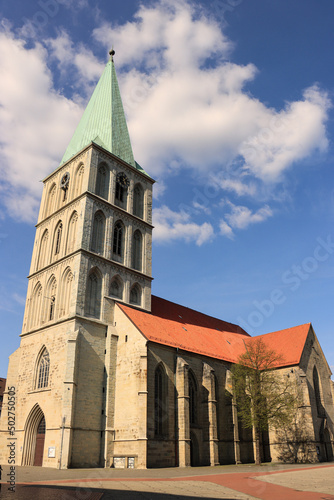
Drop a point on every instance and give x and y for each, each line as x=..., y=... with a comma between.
x=288, y=343
x=178, y=326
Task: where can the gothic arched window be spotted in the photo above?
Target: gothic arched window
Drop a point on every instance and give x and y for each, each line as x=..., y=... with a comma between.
x=102, y=182
x=160, y=402
x=36, y=306
x=118, y=239
x=78, y=180
x=138, y=201
x=93, y=294
x=57, y=238
x=135, y=295
x=42, y=250
x=51, y=299
x=121, y=192
x=137, y=250
x=72, y=232
x=116, y=288
x=192, y=399
x=317, y=394
x=50, y=201
x=67, y=282
x=98, y=235
x=43, y=370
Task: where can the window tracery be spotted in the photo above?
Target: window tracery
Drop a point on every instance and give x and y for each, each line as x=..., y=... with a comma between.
x=43, y=370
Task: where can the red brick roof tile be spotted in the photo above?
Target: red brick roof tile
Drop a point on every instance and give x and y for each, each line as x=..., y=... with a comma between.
x=178, y=326
x=288, y=343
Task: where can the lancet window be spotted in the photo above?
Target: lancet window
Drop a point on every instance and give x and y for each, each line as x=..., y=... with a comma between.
x=98, y=236
x=116, y=288
x=93, y=294
x=43, y=370
x=135, y=295
x=138, y=201
x=137, y=250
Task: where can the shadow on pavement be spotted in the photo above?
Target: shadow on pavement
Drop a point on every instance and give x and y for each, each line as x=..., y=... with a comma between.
x=27, y=492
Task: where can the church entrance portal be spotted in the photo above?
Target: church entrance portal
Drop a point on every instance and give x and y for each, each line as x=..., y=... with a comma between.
x=39, y=448
x=34, y=437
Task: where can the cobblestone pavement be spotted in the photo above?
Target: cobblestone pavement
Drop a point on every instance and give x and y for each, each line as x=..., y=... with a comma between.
x=268, y=482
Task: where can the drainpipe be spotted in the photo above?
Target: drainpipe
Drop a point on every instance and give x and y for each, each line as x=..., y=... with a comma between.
x=62, y=441
x=176, y=414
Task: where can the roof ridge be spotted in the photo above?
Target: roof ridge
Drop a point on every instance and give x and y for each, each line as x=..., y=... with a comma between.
x=198, y=312
x=283, y=330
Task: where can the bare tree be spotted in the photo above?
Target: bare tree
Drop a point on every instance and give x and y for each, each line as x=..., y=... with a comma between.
x=264, y=396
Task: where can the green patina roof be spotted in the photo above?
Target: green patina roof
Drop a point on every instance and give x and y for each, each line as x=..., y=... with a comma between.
x=103, y=121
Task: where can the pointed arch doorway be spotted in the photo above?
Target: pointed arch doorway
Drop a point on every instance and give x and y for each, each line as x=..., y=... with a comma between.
x=39, y=447
x=34, y=438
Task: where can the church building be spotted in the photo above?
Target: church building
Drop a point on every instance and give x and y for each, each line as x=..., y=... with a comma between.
x=108, y=375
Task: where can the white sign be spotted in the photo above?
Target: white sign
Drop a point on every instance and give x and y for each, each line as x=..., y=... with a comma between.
x=119, y=462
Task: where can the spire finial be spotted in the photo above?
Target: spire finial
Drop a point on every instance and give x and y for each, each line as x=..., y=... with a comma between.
x=112, y=53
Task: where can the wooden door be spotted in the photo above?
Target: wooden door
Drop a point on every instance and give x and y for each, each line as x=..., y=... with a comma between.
x=40, y=438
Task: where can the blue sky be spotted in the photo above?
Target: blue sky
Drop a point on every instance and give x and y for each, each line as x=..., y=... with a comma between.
x=229, y=107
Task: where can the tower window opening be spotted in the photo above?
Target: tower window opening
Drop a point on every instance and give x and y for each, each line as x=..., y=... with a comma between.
x=58, y=238
x=118, y=238
x=52, y=308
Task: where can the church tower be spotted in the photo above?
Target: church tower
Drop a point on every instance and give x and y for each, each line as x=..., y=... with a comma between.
x=92, y=248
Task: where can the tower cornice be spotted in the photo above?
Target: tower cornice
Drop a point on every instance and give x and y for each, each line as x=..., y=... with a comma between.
x=92, y=144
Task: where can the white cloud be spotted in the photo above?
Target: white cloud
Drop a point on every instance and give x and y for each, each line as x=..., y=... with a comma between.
x=236, y=186
x=241, y=217
x=291, y=135
x=182, y=112
x=226, y=230
x=88, y=69
x=159, y=190
x=169, y=34
x=169, y=226
x=36, y=124
x=208, y=119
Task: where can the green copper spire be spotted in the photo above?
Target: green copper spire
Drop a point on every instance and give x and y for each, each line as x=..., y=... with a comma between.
x=103, y=121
